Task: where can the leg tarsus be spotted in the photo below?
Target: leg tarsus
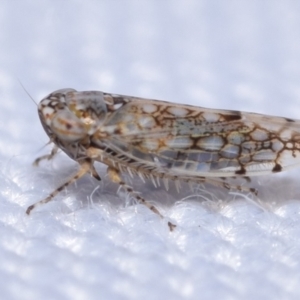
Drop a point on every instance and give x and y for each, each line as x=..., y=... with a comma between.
x=47, y=156
x=171, y=226
x=94, y=173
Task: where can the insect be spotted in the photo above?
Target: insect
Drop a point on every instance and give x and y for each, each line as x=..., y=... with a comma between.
x=164, y=141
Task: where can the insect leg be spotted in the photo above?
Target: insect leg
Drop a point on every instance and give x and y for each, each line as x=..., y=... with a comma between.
x=226, y=183
x=47, y=156
x=85, y=167
x=114, y=176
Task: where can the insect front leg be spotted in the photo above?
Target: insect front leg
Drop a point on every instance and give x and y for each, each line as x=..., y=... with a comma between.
x=47, y=156
x=114, y=176
x=86, y=166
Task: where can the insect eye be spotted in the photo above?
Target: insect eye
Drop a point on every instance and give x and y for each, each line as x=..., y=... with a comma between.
x=88, y=107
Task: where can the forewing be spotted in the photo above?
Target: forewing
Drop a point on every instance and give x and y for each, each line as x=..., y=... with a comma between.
x=182, y=139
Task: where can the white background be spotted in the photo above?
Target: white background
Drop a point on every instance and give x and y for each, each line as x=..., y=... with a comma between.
x=91, y=244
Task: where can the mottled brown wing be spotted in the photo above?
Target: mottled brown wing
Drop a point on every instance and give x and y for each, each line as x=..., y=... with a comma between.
x=183, y=139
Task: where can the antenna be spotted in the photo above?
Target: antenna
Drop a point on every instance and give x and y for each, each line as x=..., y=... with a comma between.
x=26, y=91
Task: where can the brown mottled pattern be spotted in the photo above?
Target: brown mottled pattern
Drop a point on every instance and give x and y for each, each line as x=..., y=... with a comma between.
x=161, y=140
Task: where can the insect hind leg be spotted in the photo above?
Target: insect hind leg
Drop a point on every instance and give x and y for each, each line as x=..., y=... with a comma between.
x=224, y=182
x=114, y=176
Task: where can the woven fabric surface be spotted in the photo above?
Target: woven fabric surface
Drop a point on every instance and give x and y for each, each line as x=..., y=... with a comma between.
x=92, y=243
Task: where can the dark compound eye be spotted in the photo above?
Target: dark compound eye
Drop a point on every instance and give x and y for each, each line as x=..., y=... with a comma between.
x=68, y=126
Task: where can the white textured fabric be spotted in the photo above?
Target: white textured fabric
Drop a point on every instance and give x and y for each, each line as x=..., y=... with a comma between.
x=91, y=244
